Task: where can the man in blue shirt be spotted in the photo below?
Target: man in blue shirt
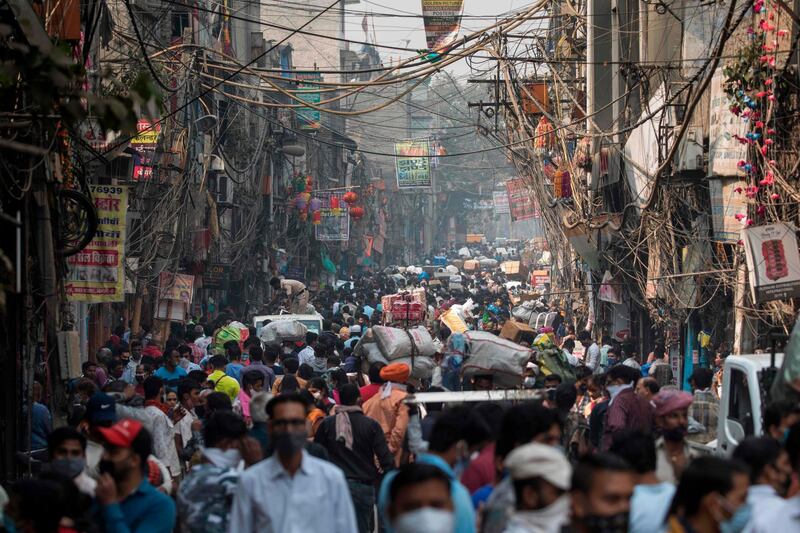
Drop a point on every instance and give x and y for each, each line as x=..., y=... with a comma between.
x=447, y=448
x=651, y=498
x=234, y=368
x=171, y=373
x=125, y=502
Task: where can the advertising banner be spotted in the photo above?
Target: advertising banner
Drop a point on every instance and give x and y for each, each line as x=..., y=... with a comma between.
x=412, y=163
x=726, y=203
x=725, y=151
x=334, y=223
x=96, y=273
x=520, y=203
x=773, y=262
x=442, y=20
x=308, y=118
x=500, y=202
x=175, y=287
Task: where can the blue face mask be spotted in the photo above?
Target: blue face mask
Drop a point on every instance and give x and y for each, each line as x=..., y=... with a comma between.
x=739, y=520
x=785, y=436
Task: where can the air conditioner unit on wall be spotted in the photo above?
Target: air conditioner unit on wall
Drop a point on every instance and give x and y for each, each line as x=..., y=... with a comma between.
x=689, y=157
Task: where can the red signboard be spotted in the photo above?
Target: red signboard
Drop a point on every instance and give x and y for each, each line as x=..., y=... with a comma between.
x=520, y=201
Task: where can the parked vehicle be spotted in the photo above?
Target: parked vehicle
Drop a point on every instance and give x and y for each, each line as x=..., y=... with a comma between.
x=746, y=380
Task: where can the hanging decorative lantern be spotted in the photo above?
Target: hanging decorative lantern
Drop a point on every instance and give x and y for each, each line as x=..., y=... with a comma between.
x=309, y=184
x=543, y=133
x=303, y=216
x=299, y=183
x=350, y=197
x=315, y=204
x=356, y=212
x=316, y=218
x=562, y=186
x=300, y=202
x=335, y=205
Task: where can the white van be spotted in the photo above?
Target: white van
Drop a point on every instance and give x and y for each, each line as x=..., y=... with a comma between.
x=743, y=400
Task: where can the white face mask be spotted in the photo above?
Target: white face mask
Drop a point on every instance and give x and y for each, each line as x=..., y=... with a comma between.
x=229, y=458
x=425, y=520
x=613, y=390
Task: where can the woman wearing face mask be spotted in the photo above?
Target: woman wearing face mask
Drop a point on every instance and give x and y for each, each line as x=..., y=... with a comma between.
x=420, y=500
x=171, y=400
x=672, y=422
x=710, y=498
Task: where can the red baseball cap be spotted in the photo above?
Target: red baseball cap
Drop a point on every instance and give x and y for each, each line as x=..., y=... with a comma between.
x=123, y=433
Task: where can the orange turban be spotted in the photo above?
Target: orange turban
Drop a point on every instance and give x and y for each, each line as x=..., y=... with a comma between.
x=396, y=372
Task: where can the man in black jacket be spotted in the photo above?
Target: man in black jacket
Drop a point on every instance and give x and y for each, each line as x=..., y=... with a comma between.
x=353, y=441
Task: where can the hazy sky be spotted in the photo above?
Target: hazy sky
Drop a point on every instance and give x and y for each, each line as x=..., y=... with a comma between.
x=409, y=32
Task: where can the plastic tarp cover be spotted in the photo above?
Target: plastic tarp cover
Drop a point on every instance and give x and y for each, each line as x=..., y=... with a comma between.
x=282, y=330
x=489, y=354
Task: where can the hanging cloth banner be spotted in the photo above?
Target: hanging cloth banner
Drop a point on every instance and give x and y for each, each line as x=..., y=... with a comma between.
x=442, y=19
x=96, y=273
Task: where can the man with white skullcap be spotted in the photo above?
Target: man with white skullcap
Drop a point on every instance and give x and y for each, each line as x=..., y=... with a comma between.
x=541, y=476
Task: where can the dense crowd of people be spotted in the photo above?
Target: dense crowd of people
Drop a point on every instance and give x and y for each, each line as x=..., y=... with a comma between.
x=199, y=434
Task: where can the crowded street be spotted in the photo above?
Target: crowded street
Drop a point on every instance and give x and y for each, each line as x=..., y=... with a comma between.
x=438, y=266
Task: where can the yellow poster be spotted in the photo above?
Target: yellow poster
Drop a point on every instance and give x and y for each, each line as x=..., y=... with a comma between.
x=96, y=273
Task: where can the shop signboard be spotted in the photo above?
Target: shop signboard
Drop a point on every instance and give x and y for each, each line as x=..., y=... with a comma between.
x=413, y=164
x=520, y=201
x=334, y=224
x=97, y=273
x=442, y=20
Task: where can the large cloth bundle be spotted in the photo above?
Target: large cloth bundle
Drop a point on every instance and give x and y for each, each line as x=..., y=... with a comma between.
x=234, y=331
x=369, y=352
x=395, y=342
x=283, y=330
x=524, y=313
x=553, y=361
x=488, y=263
x=486, y=353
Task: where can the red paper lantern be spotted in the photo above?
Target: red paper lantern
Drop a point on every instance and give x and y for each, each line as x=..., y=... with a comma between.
x=356, y=212
x=350, y=197
x=316, y=218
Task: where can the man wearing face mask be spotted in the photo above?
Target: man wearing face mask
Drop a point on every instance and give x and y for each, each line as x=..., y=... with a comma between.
x=355, y=443
x=651, y=498
x=67, y=450
x=711, y=498
x=600, y=495
x=672, y=421
x=448, y=449
x=275, y=494
x=541, y=480
x=205, y=495
x=626, y=409
x=420, y=500
x=124, y=499
x=770, y=472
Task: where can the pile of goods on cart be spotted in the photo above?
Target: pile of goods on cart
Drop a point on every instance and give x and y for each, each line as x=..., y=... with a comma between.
x=404, y=309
